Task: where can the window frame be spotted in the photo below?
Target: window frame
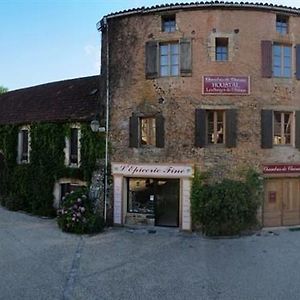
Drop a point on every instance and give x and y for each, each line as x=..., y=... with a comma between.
x=215, y=127
x=20, y=159
x=68, y=148
x=219, y=49
x=168, y=23
x=282, y=66
x=282, y=24
x=169, y=55
x=283, y=133
x=150, y=127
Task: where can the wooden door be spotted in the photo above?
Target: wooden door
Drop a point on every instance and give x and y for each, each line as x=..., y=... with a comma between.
x=291, y=202
x=273, y=203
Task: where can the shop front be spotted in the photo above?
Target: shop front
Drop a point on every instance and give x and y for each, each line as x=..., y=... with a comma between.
x=281, y=195
x=152, y=194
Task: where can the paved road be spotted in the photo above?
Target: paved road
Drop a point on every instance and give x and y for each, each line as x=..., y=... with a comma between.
x=38, y=261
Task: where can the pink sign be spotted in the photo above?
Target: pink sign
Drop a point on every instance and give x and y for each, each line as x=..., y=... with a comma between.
x=281, y=168
x=226, y=85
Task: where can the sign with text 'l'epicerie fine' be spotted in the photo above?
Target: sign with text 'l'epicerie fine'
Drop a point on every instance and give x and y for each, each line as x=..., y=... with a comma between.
x=226, y=85
x=152, y=170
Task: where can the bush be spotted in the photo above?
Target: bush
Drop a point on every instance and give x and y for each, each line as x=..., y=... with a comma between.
x=77, y=214
x=228, y=207
x=13, y=203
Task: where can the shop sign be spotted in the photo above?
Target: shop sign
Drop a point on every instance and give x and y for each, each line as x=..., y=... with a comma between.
x=152, y=170
x=281, y=168
x=226, y=85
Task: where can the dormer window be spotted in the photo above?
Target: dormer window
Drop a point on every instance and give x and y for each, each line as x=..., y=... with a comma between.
x=282, y=24
x=168, y=23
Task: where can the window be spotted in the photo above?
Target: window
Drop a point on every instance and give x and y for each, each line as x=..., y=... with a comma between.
x=215, y=126
x=23, y=145
x=282, y=60
x=148, y=132
x=282, y=128
x=169, y=59
x=221, y=49
x=72, y=149
x=168, y=23
x=67, y=188
x=282, y=24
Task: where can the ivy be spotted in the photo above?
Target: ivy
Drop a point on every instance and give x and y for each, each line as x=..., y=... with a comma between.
x=31, y=185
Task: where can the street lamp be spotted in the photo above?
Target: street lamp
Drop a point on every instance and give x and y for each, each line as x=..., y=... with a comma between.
x=95, y=126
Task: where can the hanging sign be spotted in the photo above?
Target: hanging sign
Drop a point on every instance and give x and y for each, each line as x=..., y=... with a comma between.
x=226, y=85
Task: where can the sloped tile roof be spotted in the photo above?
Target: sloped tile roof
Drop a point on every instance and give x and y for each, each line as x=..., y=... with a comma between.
x=68, y=100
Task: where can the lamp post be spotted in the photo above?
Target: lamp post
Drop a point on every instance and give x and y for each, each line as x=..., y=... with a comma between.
x=95, y=127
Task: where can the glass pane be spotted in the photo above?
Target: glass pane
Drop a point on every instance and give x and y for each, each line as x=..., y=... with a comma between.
x=287, y=72
x=287, y=61
x=276, y=50
x=164, y=60
x=164, y=49
x=277, y=61
x=175, y=60
x=175, y=70
x=174, y=48
x=277, y=71
x=287, y=51
x=164, y=71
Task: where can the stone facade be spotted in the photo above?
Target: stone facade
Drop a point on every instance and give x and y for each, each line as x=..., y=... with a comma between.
x=177, y=98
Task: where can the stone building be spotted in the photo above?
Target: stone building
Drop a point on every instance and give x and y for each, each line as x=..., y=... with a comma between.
x=210, y=85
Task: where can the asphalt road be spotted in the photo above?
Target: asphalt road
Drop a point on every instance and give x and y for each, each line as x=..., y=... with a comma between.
x=38, y=261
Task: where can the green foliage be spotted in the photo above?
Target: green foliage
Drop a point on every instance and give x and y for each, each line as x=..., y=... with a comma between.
x=3, y=89
x=228, y=207
x=32, y=184
x=77, y=215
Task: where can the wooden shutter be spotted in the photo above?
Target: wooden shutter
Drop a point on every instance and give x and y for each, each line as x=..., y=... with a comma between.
x=134, y=132
x=160, y=131
x=298, y=61
x=266, y=129
x=297, y=130
x=185, y=57
x=230, y=127
x=151, y=60
x=266, y=59
x=200, y=128
x=74, y=146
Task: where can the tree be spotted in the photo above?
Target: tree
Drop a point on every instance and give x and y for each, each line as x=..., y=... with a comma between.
x=3, y=89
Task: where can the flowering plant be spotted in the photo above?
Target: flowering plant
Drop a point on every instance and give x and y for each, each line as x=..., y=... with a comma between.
x=76, y=214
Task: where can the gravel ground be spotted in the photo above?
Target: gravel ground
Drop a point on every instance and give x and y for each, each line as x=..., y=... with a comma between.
x=38, y=261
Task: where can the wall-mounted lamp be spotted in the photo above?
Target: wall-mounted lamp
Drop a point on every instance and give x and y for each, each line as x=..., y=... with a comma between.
x=95, y=126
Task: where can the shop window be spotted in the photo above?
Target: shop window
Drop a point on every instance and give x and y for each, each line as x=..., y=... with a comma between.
x=23, y=145
x=168, y=23
x=215, y=127
x=282, y=60
x=282, y=24
x=146, y=131
x=72, y=149
x=168, y=59
x=140, y=196
x=282, y=122
x=221, y=49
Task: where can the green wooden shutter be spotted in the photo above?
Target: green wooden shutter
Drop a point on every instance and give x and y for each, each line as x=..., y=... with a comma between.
x=200, y=128
x=134, y=132
x=185, y=57
x=266, y=59
x=151, y=60
x=266, y=129
x=231, y=127
x=160, y=131
x=297, y=130
x=298, y=61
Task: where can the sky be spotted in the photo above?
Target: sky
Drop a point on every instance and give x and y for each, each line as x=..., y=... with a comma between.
x=50, y=40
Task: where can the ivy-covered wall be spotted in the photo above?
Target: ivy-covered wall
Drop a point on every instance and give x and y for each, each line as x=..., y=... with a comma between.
x=30, y=186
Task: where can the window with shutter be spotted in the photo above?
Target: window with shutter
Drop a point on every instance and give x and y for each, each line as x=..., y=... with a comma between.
x=298, y=61
x=160, y=131
x=297, y=129
x=266, y=57
x=185, y=57
x=200, y=128
x=231, y=128
x=266, y=129
x=151, y=59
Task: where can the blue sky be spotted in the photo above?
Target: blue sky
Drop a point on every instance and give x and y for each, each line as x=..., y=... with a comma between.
x=49, y=40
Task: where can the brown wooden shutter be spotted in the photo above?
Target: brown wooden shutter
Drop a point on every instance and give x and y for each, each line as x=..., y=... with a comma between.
x=231, y=127
x=185, y=57
x=200, y=128
x=298, y=61
x=74, y=146
x=134, y=132
x=297, y=130
x=266, y=129
x=160, y=131
x=151, y=60
x=266, y=59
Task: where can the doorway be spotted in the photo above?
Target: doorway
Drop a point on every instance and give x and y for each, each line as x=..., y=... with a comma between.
x=155, y=198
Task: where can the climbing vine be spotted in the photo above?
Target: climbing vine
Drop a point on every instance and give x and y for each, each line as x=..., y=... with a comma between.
x=30, y=186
